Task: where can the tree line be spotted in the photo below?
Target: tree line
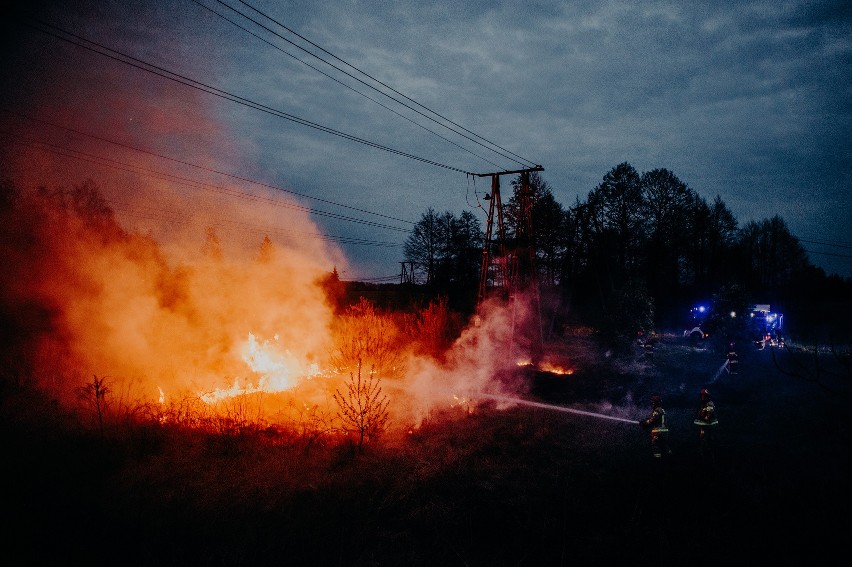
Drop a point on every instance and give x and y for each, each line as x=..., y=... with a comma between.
x=637, y=251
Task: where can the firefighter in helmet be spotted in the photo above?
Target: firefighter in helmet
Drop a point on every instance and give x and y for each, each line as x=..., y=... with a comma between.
x=656, y=423
x=707, y=422
x=733, y=359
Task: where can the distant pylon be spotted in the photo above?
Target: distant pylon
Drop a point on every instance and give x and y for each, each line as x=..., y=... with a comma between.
x=406, y=275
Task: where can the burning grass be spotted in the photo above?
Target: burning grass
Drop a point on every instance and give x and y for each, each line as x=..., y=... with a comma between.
x=488, y=484
x=181, y=413
x=220, y=339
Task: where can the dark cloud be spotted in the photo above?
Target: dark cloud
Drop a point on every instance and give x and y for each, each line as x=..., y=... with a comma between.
x=748, y=101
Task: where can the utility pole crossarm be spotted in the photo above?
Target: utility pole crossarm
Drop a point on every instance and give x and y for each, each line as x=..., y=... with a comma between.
x=515, y=172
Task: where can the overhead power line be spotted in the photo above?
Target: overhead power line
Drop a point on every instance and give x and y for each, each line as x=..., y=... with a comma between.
x=829, y=254
x=248, y=31
x=525, y=162
x=95, y=47
x=108, y=162
x=123, y=166
x=380, y=279
x=178, y=217
x=201, y=167
x=836, y=245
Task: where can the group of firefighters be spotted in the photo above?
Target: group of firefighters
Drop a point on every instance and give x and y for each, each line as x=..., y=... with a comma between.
x=705, y=421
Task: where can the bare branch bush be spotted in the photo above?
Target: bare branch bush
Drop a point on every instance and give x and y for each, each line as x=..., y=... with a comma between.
x=365, y=336
x=430, y=328
x=310, y=423
x=94, y=395
x=363, y=407
x=238, y=415
x=184, y=410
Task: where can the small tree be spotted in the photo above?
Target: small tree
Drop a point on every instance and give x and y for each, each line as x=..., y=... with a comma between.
x=363, y=408
x=94, y=393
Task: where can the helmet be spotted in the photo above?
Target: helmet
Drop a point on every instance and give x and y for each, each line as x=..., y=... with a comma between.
x=656, y=400
x=705, y=393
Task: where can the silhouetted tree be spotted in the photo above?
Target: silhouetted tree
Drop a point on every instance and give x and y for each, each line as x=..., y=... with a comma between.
x=94, y=394
x=665, y=201
x=212, y=247
x=334, y=289
x=548, y=218
x=467, y=245
x=445, y=265
x=616, y=230
x=266, y=250
x=770, y=254
x=714, y=261
x=422, y=247
x=630, y=311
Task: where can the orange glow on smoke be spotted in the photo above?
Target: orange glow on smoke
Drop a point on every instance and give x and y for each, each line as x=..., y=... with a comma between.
x=145, y=281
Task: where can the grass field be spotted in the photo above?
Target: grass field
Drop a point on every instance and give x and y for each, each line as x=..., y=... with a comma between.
x=500, y=485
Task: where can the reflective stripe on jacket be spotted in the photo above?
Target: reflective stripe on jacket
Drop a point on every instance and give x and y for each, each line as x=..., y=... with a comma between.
x=657, y=421
x=706, y=415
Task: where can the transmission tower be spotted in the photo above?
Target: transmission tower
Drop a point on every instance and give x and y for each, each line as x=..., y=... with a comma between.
x=510, y=267
x=406, y=276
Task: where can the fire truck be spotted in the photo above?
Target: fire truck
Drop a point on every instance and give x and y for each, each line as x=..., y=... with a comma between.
x=767, y=326
x=764, y=326
x=696, y=327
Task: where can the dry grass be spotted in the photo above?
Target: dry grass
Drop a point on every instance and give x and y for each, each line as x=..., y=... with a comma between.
x=517, y=486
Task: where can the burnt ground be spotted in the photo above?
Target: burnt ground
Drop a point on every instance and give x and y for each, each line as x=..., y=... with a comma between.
x=521, y=485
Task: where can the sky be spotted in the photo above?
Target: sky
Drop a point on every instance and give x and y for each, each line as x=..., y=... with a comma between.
x=362, y=115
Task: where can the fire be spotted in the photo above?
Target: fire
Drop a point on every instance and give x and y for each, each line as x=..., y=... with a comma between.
x=278, y=370
x=194, y=322
x=234, y=390
x=546, y=367
x=554, y=369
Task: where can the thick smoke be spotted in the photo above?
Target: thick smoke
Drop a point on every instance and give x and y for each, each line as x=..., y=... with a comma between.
x=481, y=361
x=86, y=298
x=123, y=261
x=94, y=300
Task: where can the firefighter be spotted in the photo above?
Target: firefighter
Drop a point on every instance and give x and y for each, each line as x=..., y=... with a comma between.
x=650, y=345
x=707, y=422
x=656, y=423
x=733, y=359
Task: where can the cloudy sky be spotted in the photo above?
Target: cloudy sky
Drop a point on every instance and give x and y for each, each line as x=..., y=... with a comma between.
x=369, y=113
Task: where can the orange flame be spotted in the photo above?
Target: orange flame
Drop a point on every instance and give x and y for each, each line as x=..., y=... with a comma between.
x=278, y=369
x=554, y=369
